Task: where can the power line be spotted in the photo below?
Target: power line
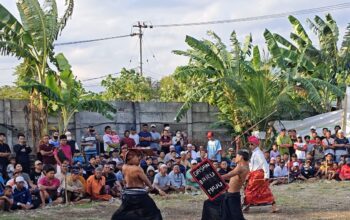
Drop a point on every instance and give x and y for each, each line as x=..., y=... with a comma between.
x=262, y=17
x=94, y=40
x=100, y=77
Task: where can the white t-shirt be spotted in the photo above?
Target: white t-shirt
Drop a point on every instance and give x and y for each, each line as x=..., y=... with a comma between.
x=301, y=154
x=136, y=138
x=328, y=142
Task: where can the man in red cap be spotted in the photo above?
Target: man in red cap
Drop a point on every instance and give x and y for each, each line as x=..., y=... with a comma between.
x=213, y=147
x=257, y=191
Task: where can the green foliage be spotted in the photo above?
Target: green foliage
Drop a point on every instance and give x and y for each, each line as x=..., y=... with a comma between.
x=129, y=86
x=171, y=90
x=13, y=92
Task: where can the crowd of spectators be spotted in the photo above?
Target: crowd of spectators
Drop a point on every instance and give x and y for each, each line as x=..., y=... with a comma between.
x=65, y=172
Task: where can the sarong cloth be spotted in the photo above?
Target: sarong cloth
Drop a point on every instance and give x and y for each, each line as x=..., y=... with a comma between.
x=225, y=207
x=137, y=205
x=257, y=191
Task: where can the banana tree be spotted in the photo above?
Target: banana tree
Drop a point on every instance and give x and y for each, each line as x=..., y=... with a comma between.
x=32, y=40
x=66, y=96
x=317, y=73
x=238, y=82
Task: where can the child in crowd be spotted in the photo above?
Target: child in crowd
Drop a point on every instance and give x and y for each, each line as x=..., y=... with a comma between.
x=114, y=137
x=274, y=152
x=11, y=167
x=6, y=199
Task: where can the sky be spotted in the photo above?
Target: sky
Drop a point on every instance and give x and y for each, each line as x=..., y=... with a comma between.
x=105, y=18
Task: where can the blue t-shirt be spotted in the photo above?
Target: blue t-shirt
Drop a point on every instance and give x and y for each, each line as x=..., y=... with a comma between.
x=161, y=180
x=213, y=147
x=145, y=135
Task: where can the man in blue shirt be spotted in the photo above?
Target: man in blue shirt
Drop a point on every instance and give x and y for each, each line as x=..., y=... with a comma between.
x=177, y=180
x=22, y=199
x=213, y=147
x=145, y=136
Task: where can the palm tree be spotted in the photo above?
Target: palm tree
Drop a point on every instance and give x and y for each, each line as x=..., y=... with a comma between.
x=32, y=40
x=66, y=96
x=238, y=82
x=318, y=73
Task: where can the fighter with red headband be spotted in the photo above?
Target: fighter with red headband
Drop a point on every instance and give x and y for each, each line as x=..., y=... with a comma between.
x=257, y=191
x=136, y=203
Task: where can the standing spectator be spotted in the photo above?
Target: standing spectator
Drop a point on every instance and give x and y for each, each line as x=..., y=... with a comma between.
x=72, y=143
x=135, y=136
x=177, y=180
x=284, y=142
x=324, y=131
x=318, y=149
x=300, y=149
x=108, y=143
x=145, y=136
x=63, y=152
x=345, y=170
x=37, y=173
x=312, y=132
x=178, y=142
x=127, y=140
x=48, y=186
x=213, y=147
x=155, y=138
x=22, y=151
x=327, y=144
x=165, y=142
x=162, y=181
x=95, y=186
x=54, y=140
x=341, y=143
x=310, y=146
x=274, y=152
x=90, y=143
x=22, y=199
x=46, y=151
x=4, y=154
x=336, y=129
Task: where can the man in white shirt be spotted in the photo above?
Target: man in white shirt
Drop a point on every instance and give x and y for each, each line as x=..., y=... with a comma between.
x=257, y=191
x=193, y=153
x=135, y=136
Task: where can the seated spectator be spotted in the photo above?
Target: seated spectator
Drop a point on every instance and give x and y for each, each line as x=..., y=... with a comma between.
x=286, y=158
x=91, y=167
x=161, y=157
x=169, y=165
x=177, y=180
x=11, y=167
x=278, y=159
x=75, y=189
x=6, y=199
x=202, y=156
x=190, y=148
x=294, y=172
x=300, y=149
x=171, y=154
x=310, y=158
x=224, y=169
x=184, y=160
x=12, y=181
x=230, y=154
x=271, y=169
x=111, y=187
x=150, y=173
x=224, y=157
x=61, y=175
x=37, y=173
x=178, y=142
x=272, y=161
x=95, y=186
x=294, y=158
x=310, y=146
x=267, y=156
x=327, y=144
x=162, y=181
x=274, y=151
x=345, y=170
x=28, y=183
x=146, y=163
x=191, y=184
x=333, y=172
x=280, y=173
x=307, y=171
x=48, y=186
x=117, y=159
x=22, y=199
x=216, y=165
x=178, y=162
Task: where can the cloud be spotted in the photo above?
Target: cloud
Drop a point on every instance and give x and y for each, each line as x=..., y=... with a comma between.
x=95, y=19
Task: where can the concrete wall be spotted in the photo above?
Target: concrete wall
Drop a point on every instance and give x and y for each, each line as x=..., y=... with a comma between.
x=14, y=118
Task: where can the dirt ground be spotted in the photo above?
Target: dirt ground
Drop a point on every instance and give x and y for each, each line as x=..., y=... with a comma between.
x=319, y=200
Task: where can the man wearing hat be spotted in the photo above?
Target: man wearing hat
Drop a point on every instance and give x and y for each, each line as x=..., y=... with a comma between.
x=345, y=170
x=75, y=188
x=136, y=203
x=213, y=147
x=257, y=191
x=22, y=199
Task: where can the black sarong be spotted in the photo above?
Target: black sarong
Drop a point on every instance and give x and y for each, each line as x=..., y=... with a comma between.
x=231, y=207
x=225, y=207
x=137, y=205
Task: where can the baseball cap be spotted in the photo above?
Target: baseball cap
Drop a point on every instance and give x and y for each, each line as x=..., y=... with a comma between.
x=172, y=147
x=167, y=128
x=230, y=149
x=340, y=131
x=19, y=179
x=37, y=162
x=295, y=164
x=75, y=171
x=177, y=156
x=194, y=162
x=153, y=126
x=189, y=145
x=313, y=128
x=182, y=152
x=210, y=134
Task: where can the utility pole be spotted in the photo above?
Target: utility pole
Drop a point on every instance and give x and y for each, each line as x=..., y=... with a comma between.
x=140, y=26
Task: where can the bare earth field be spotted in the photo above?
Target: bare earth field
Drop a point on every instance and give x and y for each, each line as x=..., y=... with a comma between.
x=319, y=200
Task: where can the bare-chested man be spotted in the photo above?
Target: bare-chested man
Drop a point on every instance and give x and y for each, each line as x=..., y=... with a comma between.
x=136, y=204
x=228, y=205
